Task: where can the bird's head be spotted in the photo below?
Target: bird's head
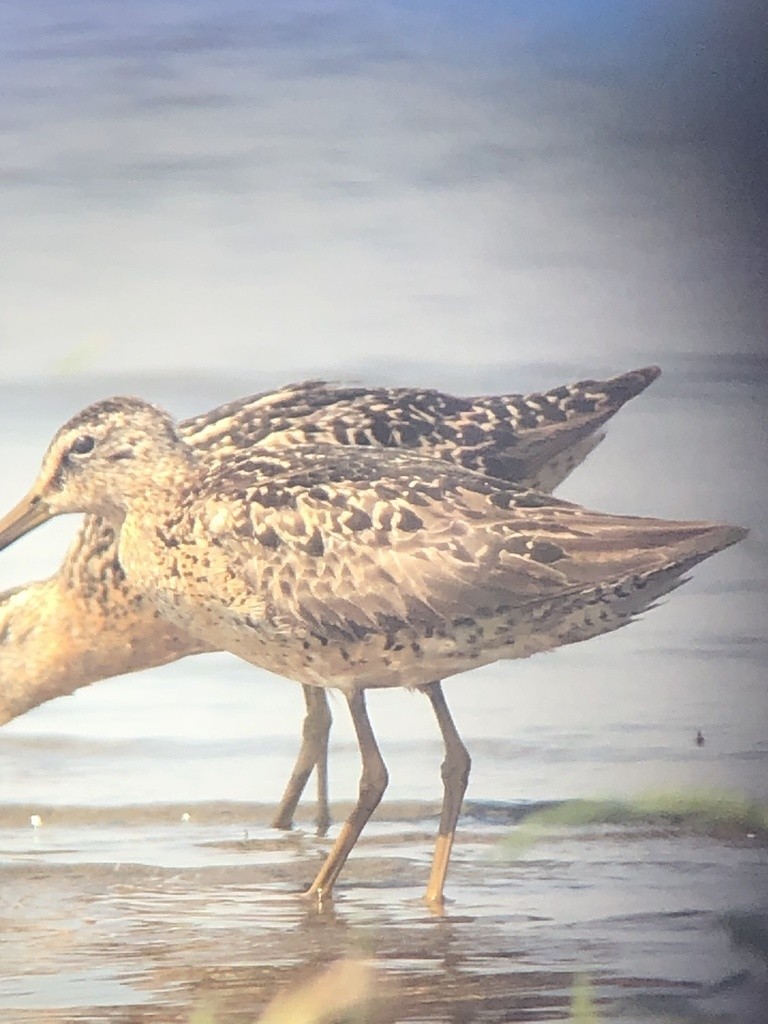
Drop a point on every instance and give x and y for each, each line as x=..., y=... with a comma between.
x=101, y=460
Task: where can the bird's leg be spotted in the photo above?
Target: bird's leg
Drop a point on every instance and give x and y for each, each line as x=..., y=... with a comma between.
x=455, y=773
x=313, y=754
x=322, y=714
x=373, y=782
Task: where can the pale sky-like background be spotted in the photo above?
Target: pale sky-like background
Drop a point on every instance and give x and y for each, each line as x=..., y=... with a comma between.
x=389, y=191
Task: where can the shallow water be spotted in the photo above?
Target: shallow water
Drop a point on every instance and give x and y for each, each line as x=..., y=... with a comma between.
x=159, y=917
x=196, y=209
x=120, y=908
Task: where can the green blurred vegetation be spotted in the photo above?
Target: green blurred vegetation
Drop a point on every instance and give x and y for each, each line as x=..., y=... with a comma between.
x=583, y=1009
x=723, y=815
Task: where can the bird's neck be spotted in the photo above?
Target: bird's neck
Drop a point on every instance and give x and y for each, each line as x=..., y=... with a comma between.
x=140, y=496
x=56, y=638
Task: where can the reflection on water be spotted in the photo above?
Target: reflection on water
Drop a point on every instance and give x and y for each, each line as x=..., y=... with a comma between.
x=656, y=916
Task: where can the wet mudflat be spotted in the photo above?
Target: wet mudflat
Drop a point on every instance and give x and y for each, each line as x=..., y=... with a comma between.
x=135, y=914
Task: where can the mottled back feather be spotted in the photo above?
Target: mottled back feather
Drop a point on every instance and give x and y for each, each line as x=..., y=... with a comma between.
x=87, y=622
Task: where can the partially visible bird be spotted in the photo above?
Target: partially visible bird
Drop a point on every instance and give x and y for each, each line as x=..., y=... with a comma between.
x=356, y=569
x=87, y=622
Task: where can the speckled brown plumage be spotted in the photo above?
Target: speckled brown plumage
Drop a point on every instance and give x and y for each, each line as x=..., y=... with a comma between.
x=521, y=438
x=356, y=569
x=87, y=623
x=348, y=568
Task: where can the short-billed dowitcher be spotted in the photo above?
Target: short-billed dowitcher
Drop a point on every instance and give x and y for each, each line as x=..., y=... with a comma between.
x=87, y=622
x=356, y=569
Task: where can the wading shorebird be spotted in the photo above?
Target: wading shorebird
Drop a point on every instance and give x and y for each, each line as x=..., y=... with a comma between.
x=87, y=622
x=356, y=569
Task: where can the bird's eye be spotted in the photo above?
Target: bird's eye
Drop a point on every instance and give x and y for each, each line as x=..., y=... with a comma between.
x=82, y=445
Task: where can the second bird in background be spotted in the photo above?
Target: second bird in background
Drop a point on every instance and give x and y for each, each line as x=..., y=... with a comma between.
x=356, y=569
x=87, y=622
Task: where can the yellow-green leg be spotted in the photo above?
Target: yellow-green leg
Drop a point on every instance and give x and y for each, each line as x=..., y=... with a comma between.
x=455, y=773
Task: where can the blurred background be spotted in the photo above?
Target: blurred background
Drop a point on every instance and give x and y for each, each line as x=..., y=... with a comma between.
x=437, y=193
x=201, y=200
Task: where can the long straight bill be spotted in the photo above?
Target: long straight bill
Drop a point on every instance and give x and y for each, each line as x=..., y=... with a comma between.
x=30, y=512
